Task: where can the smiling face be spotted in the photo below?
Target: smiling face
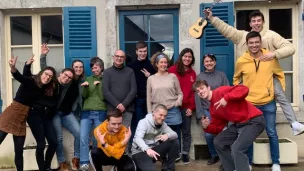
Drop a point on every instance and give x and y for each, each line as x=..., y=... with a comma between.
x=78, y=68
x=142, y=53
x=203, y=91
x=119, y=58
x=187, y=59
x=256, y=23
x=209, y=64
x=115, y=124
x=65, y=77
x=254, y=45
x=162, y=65
x=159, y=116
x=46, y=76
x=96, y=70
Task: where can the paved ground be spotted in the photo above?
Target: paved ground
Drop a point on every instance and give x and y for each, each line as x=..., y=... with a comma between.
x=200, y=165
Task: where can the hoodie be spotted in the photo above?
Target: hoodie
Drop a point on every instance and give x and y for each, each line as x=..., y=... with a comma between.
x=147, y=132
x=114, y=147
x=258, y=77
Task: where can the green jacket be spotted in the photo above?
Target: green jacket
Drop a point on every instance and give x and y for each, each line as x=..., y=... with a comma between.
x=92, y=95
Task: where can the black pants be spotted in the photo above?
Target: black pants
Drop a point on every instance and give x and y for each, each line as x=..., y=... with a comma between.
x=18, y=145
x=99, y=159
x=168, y=152
x=42, y=127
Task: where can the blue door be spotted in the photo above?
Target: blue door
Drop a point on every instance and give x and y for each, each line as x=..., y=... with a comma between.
x=213, y=42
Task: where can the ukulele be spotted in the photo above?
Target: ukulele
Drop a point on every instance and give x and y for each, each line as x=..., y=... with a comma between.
x=197, y=29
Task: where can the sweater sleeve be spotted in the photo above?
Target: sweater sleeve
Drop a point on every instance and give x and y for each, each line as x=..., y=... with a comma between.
x=27, y=70
x=178, y=90
x=27, y=80
x=225, y=80
x=109, y=97
x=149, y=95
x=237, y=92
x=192, y=98
x=237, y=77
x=216, y=126
x=132, y=92
x=43, y=61
x=228, y=31
x=168, y=131
x=283, y=47
x=139, y=135
x=85, y=90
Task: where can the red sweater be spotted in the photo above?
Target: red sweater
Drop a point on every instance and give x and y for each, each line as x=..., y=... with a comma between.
x=186, y=81
x=237, y=110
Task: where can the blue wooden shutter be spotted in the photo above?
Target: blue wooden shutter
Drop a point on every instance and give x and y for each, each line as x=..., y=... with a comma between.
x=80, y=35
x=213, y=42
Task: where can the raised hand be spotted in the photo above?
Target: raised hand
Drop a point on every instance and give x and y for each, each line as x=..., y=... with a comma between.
x=84, y=84
x=12, y=63
x=144, y=71
x=30, y=60
x=44, y=49
x=208, y=13
x=127, y=136
x=101, y=136
x=220, y=103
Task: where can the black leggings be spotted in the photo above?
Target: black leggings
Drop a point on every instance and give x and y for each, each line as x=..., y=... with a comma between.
x=42, y=127
x=18, y=145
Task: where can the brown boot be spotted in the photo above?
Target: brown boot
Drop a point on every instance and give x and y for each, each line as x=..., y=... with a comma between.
x=63, y=167
x=75, y=164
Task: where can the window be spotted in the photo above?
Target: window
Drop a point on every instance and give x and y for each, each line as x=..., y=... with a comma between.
x=24, y=36
x=274, y=15
x=158, y=28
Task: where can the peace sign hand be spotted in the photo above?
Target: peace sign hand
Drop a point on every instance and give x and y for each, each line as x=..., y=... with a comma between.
x=147, y=74
x=12, y=63
x=30, y=60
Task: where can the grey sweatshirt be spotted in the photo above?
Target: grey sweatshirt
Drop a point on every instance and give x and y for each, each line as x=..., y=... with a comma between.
x=119, y=86
x=146, y=134
x=215, y=79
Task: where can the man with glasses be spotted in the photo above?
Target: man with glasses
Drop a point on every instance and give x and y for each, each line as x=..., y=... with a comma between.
x=119, y=87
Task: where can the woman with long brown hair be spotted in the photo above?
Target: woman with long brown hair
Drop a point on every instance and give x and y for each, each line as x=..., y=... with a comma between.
x=13, y=118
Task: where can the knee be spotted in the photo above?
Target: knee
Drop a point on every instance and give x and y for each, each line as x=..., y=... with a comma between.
x=174, y=143
x=208, y=136
x=94, y=152
x=217, y=143
x=41, y=145
x=271, y=132
x=235, y=148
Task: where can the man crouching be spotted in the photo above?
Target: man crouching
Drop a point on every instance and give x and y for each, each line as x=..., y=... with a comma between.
x=155, y=141
x=228, y=104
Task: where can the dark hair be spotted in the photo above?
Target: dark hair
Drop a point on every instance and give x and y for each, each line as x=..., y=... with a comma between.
x=256, y=13
x=199, y=83
x=209, y=55
x=116, y=113
x=141, y=44
x=96, y=60
x=156, y=57
x=49, y=87
x=179, y=62
x=77, y=60
x=252, y=34
x=161, y=106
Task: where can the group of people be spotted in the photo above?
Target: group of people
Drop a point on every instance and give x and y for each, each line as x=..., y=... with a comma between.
x=141, y=113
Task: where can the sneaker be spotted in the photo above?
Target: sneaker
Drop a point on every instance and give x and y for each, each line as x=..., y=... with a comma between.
x=178, y=157
x=250, y=167
x=75, y=163
x=276, y=167
x=297, y=128
x=213, y=160
x=84, y=167
x=63, y=167
x=186, y=159
x=114, y=168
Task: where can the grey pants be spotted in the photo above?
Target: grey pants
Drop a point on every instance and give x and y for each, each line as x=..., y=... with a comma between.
x=127, y=118
x=232, y=144
x=282, y=100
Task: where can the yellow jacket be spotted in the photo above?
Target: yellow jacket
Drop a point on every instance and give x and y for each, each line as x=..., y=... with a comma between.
x=114, y=147
x=270, y=39
x=258, y=77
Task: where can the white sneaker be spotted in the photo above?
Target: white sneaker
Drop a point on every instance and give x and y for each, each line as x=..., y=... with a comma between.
x=84, y=167
x=114, y=168
x=297, y=128
x=250, y=167
x=276, y=167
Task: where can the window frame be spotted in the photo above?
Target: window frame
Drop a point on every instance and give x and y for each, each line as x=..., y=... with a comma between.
x=264, y=8
x=36, y=43
x=174, y=12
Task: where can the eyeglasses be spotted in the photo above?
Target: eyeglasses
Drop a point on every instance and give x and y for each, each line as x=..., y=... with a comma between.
x=48, y=75
x=117, y=56
x=70, y=78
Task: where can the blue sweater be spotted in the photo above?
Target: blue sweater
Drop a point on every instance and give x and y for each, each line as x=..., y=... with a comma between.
x=141, y=79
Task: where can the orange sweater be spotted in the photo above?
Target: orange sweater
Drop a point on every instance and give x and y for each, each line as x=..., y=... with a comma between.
x=114, y=148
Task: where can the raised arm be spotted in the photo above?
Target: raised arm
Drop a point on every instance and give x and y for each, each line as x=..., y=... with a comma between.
x=16, y=74
x=27, y=67
x=44, y=51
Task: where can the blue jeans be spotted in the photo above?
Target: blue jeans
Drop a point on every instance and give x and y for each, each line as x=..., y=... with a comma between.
x=89, y=121
x=140, y=113
x=70, y=123
x=210, y=137
x=269, y=112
